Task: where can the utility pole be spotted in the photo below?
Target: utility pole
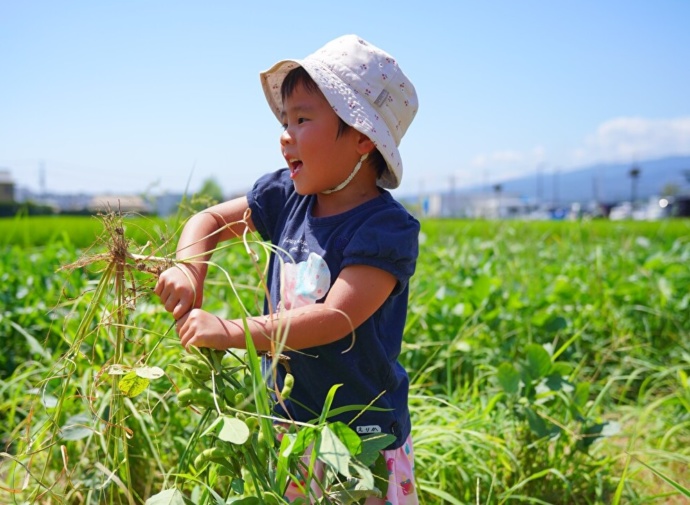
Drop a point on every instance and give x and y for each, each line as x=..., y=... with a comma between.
x=452, y=195
x=540, y=188
x=497, y=189
x=634, y=175
x=42, y=179
x=422, y=201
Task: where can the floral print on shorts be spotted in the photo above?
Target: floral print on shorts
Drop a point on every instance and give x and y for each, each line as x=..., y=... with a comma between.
x=401, y=484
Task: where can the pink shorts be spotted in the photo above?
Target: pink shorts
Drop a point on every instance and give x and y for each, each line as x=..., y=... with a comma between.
x=401, y=487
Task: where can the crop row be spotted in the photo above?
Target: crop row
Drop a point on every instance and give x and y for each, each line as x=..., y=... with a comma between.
x=548, y=361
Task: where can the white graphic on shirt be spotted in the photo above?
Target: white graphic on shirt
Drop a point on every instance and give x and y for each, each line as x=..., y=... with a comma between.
x=305, y=282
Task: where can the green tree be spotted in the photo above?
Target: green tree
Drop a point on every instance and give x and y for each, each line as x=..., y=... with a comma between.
x=209, y=194
x=670, y=189
x=211, y=189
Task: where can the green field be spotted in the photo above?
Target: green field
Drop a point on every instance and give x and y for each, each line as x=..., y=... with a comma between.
x=549, y=363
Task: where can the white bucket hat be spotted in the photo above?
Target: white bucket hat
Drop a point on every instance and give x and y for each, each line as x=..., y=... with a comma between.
x=366, y=89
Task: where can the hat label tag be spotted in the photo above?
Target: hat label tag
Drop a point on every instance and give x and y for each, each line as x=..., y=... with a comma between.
x=381, y=98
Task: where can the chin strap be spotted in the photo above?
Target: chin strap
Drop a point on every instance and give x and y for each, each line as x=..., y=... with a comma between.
x=350, y=177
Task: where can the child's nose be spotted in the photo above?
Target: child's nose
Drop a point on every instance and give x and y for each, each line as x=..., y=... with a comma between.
x=285, y=137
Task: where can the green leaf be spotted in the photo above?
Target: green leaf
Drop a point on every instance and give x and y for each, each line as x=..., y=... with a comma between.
x=34, y=346
x=365, y=478
x=581, y=394
x=481, y=288
x=596, y=431
x=561, y=368
x=234, y=431
x=49, y=401
x=132, y=385
x=328, y=402
x=305, y=437
x=260, y=395
x=283, y=463
x=212, y=427
x=683, y=379
x=341, y=494
x=655, y=262
x=351, y=490
x=665, y=291
x=379, y=471
x=509, y=378
x=563, y=287
x=247, y=500
x=555, y=382
x=348, y=437
x=372, y=445
x=538, y=361
x=540, y=426
x=555, y=324
x=167, y=497
x=333, y=452
x=76, y=428
x=349, y=408
x=237, y=486
x=683, y=490
x=536, y=423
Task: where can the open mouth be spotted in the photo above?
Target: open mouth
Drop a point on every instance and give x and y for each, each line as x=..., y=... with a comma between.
x=295, y=167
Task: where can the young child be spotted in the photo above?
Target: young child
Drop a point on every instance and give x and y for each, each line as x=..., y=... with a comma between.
x=339, y=284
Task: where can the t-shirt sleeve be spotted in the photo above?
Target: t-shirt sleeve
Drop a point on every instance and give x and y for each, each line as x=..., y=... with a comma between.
x=388, y=240
x=267, y=199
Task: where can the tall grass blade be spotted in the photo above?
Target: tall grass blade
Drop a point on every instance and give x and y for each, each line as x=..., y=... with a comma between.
x=683, y=490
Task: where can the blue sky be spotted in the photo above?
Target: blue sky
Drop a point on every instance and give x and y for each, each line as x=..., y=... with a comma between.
x=125, y=96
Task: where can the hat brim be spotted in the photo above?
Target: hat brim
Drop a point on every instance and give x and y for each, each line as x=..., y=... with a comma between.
x=347, y=104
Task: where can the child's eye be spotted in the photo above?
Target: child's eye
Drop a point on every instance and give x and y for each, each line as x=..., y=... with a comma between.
x=299, y=120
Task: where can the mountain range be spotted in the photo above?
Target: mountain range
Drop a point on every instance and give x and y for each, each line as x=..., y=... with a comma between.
x=605, y=183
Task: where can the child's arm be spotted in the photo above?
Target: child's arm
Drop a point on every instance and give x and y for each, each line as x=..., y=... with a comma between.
x=357, y=293
x=180, y=288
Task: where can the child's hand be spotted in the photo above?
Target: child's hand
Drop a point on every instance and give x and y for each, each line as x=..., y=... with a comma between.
x=202, y=329
x=180, y=288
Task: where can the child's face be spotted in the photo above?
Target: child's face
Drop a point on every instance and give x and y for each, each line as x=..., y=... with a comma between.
x=318, y=158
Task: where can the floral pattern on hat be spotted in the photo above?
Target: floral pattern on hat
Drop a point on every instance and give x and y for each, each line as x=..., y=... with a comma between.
x=365, y=87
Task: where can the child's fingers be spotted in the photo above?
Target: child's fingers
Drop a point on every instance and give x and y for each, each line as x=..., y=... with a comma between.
x=159, y=287
x=182, y=307
x=182, y=330
x=164, y=285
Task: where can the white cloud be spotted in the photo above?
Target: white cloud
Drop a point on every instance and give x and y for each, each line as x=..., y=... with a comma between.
x=488, y=168
x=622, y=139
x=627, y=139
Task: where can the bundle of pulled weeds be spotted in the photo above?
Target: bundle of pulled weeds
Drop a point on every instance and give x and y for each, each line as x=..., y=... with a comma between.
x=118, y=252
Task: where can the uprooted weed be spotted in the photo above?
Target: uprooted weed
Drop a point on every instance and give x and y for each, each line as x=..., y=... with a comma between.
x=124, y=413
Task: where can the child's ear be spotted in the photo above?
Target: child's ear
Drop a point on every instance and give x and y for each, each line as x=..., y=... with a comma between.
x=364, y=144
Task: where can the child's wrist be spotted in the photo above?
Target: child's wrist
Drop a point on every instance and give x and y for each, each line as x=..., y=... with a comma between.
x=232, y=336
x=189, y=267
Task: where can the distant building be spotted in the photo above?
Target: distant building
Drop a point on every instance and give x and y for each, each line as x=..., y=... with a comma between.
x=6, y=186
x=474, y=205
x=168, y=203
x=120, y=203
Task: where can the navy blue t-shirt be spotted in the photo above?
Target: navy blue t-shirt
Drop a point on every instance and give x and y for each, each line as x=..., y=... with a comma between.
x=379, y=233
